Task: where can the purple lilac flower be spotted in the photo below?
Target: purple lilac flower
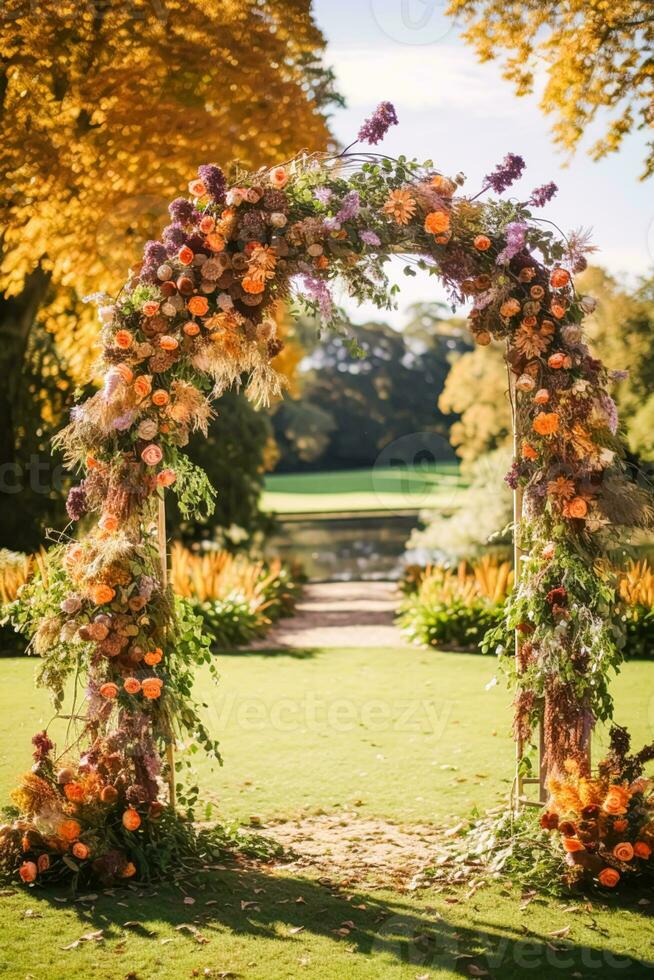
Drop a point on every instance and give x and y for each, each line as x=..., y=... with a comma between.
x=350, y=207
x=318, y=290
x=111, y=383
x=512, y=478
x=123, y=422
x=611, y=412
x=42, y=746
x=506, y=173
x=76, y=502
x=375, y=128
x=515, y=241
x=214, y=180
x=482, y=300
x=619, y=375
x=369, y=238
x=174, y=235
x=331, y=224
x=149, y=273
x=322, y=194
x=541, y=195
x=181, y=210
x=154, y=253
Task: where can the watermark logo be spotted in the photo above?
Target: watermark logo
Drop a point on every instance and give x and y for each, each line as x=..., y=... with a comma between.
x=414, y=472
x=417, y=22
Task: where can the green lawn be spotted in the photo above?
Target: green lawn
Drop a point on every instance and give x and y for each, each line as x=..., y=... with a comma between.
x=399, y=734
x=381, y=488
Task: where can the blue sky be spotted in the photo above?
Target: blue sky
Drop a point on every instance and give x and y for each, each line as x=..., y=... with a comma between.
x=465, y=117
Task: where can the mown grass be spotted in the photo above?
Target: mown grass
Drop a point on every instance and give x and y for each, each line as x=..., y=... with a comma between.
x=407, y=735
x=381, y=488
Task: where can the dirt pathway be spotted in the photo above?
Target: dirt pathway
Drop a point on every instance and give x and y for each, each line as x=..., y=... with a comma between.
x=339, y=614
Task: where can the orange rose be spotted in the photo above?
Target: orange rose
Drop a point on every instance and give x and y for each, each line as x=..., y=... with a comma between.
x=132, y=685
x=131, y=819
x=536, y=292
x=69, y=830
x=623, y=851
x=109, y=690
x=152, y=455
x=80, y=850
x=559, y=278
x=482, y=243
x=572, y=845
x=642, y=850
x=509, y=308
x=191, y=328
x=185, y=255
x=101, y=594
x=165, y=478
x=142, y=386
x=197, y=188
x=74, y=792
x=546, y=423
x=556, y=361
x=43, y=863
x=166, y=342
x=108, y=522
x=28, y=871
x=129, y=870
x=437, y=222
x=207, y=224
x=152, y=688
x=528, y=451
x=278, y=177
x=160, y=397
x=619, y=826
x=151, y=307
x=616, y=800
x=609, y=877
x=198, y=305
x=125, y=373
x=123, y=339
x=253, y=286
x=153, y=657
x=557, y=310
x=215, y=242
x=577, y=507
x=542, y=396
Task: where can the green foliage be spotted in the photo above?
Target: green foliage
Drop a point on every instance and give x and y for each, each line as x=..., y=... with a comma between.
x=452, y=625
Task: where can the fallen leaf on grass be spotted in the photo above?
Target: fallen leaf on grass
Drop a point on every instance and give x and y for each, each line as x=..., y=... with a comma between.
x=560, y=933
x=89, y=937
x=188, y=900
x=31, y=914
x=294, y=931
x=138, y=927
x=250, y=905
x=197, y=935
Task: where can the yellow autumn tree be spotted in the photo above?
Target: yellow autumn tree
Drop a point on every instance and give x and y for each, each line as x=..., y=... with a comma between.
x=597, y=55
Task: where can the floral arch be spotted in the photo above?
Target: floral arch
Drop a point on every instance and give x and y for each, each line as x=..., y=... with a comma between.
x=197, y=315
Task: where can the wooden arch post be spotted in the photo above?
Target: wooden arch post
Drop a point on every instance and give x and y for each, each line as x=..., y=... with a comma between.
x=163, y=558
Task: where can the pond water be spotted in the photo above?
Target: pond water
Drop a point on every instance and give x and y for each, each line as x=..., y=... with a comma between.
x=345, y=549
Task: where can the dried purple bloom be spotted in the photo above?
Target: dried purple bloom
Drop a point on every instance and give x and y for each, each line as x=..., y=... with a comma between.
x=369, y=238
x=541, y=195
x=275, y=200
x=181, y=210
x=515, y=241
x=124, y=421
x=375, y=128
x=154, y=253
x=610, y=411
x=318, y=290
x=619, y=375
x=174, y=236
x=350, y=207
x=76, y=502
x=322, y=194
x=214, y=180
x=42, y=746
x=149, y=273
x=506, y=173
x=71, y=605
x=331, y=224
x=513, y=475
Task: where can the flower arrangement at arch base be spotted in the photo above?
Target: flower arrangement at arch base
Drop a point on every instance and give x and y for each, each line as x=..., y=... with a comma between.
x=196, y=316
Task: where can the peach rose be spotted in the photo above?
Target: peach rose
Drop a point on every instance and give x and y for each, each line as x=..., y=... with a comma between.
x=278, y=177
x=196, y=188
x=191, y=328
x=152, y=455
x=198, y=305
x=616, y=800
x=108, y=522
x=101, y=594
x=142, y=386
x=132, y=685
x=577, y=507
x=619, y=826
x=43, y=863
x=559, y=278
x=557, y=310
x=546, y=423
x=125, y=373
x=437, y=222
x=253, y=286
x=482, y=243
x=109, y=690
x=556, y=361
x=537, y=292
x=160, y=397
x=542, y=396
x=151, y=307
x=525, y=383
x=572, y=845
x=608, y=877
x=623, y=851
x=131, y=819
x=509, y=308
x=28, y=871
x=69, y=830
x=147, y=429
x=165, y=478
x=642, y=850
x=123, y=339
x=109, y=794
x=207, y=224
x=152, y=688
x=129, y=870
x=74, y=792
x=215, y=242
x=166, y=342
x=80, y=850
x=443, y=185
x=185, y=255
x=153, y=657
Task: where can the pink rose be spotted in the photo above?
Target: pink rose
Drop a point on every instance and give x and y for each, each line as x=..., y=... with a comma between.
x=152, y=455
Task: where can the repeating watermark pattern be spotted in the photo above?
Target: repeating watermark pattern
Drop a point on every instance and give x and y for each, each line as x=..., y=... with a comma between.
x=418, y=22
x=407, y=466
x=40, y=475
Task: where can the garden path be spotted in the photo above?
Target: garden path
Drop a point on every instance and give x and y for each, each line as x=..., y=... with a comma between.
x=339, y=614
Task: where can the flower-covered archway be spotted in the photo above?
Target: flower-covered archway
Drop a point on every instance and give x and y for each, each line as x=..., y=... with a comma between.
x=197, y=315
